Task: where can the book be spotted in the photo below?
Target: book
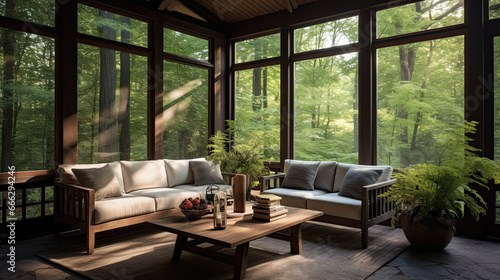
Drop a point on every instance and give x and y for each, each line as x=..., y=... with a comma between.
x=268, y=210
x=266, y=205
x=270, y=219
x=270, y=215
x=267, y=198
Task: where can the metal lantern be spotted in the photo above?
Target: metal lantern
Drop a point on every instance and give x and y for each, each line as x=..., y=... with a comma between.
x=210, y=193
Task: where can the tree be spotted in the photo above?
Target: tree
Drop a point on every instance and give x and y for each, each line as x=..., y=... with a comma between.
x=124, y=111
x=107, y=111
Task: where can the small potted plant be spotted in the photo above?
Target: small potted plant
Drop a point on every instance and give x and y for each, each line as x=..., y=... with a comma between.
x=430, y=197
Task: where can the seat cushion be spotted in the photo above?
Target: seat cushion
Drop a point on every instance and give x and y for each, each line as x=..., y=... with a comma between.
x=293, y=197
x=102, y=180
x=334, y=205
x=179, y=172
x=342, y=169
x=166, y=198
x=139, y=175
x=202, y=190
x=110, y=209
x=68, y=177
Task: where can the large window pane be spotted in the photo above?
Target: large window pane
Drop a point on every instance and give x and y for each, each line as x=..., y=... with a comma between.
x=420, y=96
x=112, y=105
x=326, y=114
x=183, y=44
x=27, y=101
x=185, y=111
x=112, y=26
x=37, y=11
x=258, y=48
x=494, y=9
x=258, y=109
x=327, y=35
x=419, y=16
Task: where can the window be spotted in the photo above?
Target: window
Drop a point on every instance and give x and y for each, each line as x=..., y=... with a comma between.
x=112, y=105
x=27, y=100
x=258, y=109
x=36, y=11
x=496, y=71
x=327, y=35
x=185, y=111
x=419, y=16
x=420, y=96
x=497, y=206
x=186, y=45
x=104, y=24
x=326, y=109
x=494, y=9
x=258, y=48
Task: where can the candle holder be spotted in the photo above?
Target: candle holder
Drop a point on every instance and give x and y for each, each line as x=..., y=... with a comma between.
x=220, y=205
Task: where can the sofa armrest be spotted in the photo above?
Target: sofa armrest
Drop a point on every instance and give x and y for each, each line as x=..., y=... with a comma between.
x=269, y=181
x=373, y=206
x=74, y=202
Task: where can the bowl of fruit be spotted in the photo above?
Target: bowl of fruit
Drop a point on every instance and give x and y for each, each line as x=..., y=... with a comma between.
x=194, y=208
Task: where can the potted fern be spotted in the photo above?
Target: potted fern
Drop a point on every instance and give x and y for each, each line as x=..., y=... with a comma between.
x=430, y=197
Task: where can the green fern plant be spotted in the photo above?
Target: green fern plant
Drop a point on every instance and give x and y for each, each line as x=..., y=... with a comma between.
x=441, y=189
x=242, y=158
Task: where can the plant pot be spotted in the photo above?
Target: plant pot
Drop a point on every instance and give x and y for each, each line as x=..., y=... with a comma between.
x=424, y=238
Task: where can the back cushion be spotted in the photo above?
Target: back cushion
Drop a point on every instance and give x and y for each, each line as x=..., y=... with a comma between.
x=179, y=172
x=342, y=169
x=144, y=175
x=68, y=177
x=325, y=174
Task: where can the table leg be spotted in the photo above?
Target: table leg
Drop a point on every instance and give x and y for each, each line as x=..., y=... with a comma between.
x=296, y=239
x=240, y=261
x=179, y=242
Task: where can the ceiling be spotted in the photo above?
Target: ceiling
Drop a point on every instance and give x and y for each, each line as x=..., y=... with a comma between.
x=224, y=11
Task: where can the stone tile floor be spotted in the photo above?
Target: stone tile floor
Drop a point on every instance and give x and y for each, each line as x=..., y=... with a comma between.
x=464, y=258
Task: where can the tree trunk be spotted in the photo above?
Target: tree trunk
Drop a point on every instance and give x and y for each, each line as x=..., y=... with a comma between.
x=124, y=111
x=9, y=42
x=107, y=110
x=424, y=86
x=257, y=78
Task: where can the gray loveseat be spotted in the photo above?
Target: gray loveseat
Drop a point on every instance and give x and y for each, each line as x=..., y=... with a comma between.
x=100, y=197
x=348, y=194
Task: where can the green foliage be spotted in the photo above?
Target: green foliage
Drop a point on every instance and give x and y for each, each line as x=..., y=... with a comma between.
x=442, y=188
x=242, y=158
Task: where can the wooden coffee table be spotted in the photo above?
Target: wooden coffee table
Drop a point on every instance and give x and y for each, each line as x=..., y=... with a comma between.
x=238, y=234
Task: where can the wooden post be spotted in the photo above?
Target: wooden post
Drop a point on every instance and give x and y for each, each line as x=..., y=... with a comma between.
x=239, y=192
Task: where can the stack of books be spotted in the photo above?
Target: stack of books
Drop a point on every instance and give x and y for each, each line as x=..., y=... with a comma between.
x=268, y=208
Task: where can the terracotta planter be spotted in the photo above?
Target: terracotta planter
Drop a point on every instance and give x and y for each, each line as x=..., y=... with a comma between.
x=424, y=238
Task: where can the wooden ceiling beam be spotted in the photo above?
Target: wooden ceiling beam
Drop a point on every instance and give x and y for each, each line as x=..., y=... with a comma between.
x=198, y=9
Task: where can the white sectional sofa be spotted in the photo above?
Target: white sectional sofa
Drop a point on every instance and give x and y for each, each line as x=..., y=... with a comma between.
x=99, y=197
x=346, y=193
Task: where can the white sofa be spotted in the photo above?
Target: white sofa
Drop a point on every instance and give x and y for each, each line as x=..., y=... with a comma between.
x=347, y=194
x=99, y=197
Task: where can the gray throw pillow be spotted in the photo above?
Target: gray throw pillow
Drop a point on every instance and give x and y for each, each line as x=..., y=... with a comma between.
x=102, y=180
x=205, y=174
x=356, y=178
x=300, y=175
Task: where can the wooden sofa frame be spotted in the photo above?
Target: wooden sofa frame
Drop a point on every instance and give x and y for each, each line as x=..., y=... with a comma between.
x=74, y=205
x=374, y=209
